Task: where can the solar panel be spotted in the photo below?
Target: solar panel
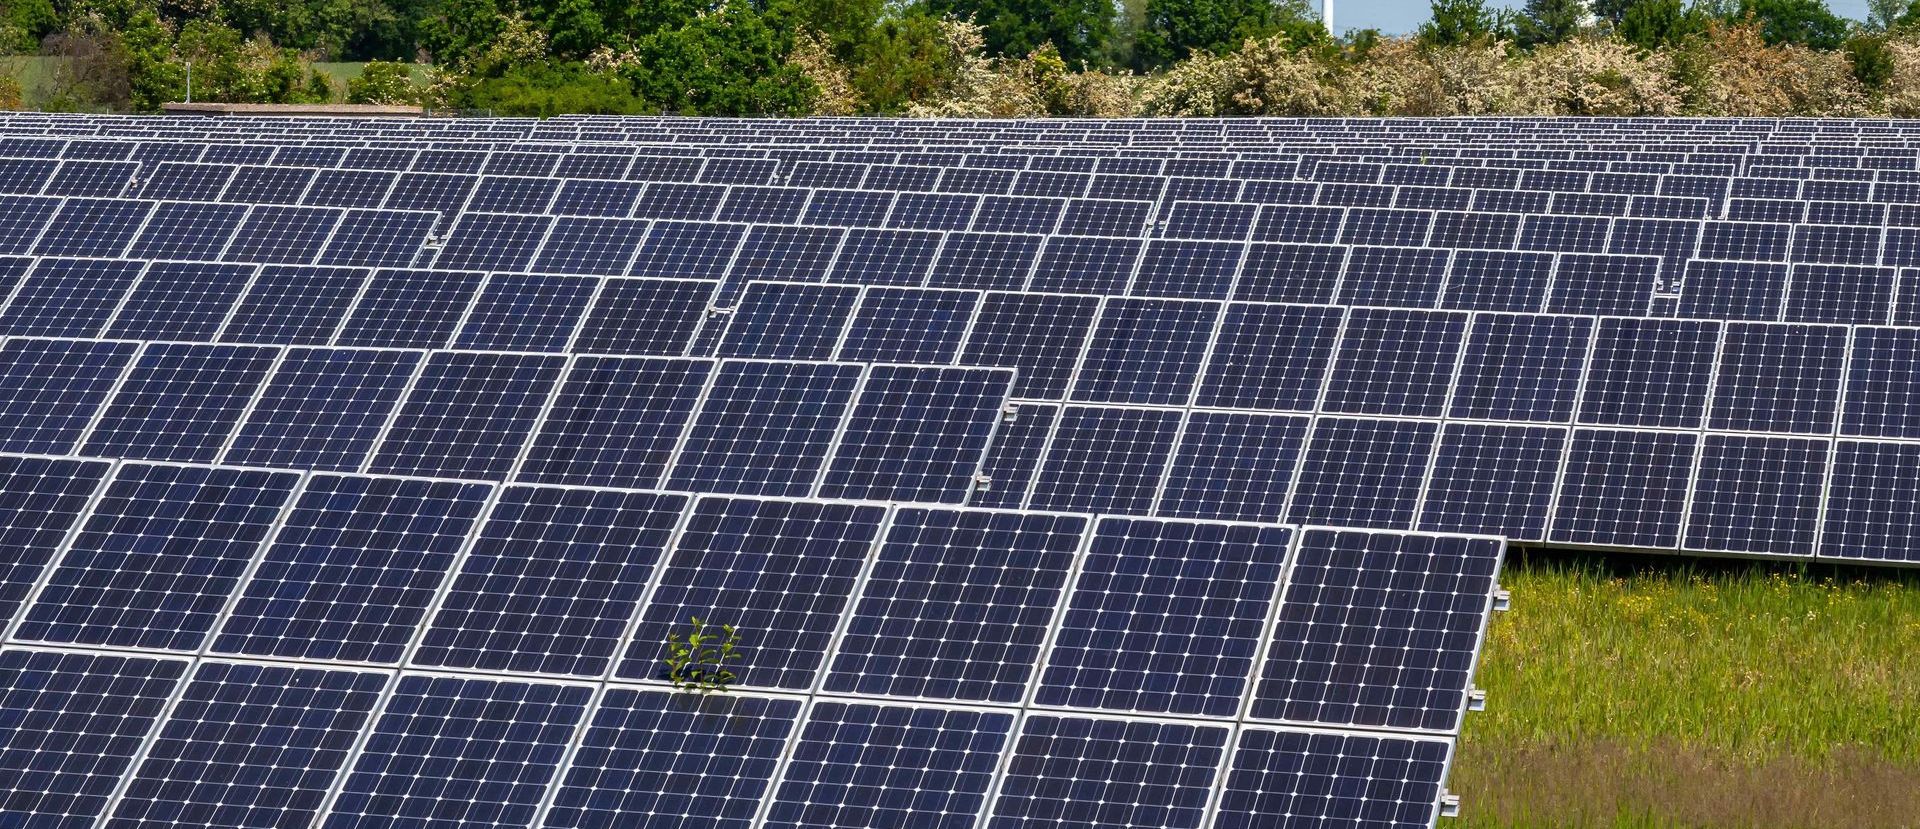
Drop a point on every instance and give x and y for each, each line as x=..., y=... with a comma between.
x=353, y=570
x=157, y=557
x=856, y=764
x=76, y=722
x=180, y=402
x=780, y=572
x=468, y=415
x=505, y=738
x=1081, y=772
x=250, y=745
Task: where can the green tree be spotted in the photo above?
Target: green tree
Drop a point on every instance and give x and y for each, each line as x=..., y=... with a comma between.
x=454, y=31
x=1801, y=22
x=1610, y=11
x=731, y=61
x=31, y=19
x=1883, y=15
x=382, y=82
x=1546, y=22
x=1870, y=61
x=1081, y=29
x=1654, y=24
x=905, y=60
x=1173, y=28
x=548, y=89
x=1460, y=22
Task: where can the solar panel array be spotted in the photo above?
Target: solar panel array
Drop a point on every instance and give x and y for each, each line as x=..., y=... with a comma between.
x=1131, y=473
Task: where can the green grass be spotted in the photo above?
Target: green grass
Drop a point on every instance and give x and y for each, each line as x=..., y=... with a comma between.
x=1652, y=693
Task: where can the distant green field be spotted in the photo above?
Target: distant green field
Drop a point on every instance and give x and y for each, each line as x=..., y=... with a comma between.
x=1657, y=693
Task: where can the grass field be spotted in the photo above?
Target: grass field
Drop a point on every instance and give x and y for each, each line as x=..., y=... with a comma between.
x=1644, y=692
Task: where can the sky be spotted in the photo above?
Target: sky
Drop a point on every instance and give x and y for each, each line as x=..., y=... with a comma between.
x=1403, y=16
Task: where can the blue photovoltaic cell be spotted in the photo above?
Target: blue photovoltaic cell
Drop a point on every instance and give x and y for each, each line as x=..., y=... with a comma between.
x=92, y=227
x=800, y=254
x=1853, y=294
x=1106, y=460
x=1166, y=617
x=1522, y=367
x=1146, y=351
x=687, y=249
x=250, y=746
x=645, y=316
x=616, y=421
x=916, y=433
x=69, y=297
x=1733, y=290
x=21, y=220
x=550, y=581
x=657, y=759
x=1362, y=473
x=492, y=242
x=187, y=230
x=1196, y=270
x=518, y=312
x=787, y=321
x=780, y=572
x=1757, y=495
x=1873, y=488
x=956, y=605
x=53, y=388
x=1270, y=357
x=1379, y=630
x=590, y=246
x=158, y=556
x=1233, y=466
x=1305, y=778
x=323, y=409
x=180, y=402
x=885, y=257
x=180, y=301
x=1493, y=479
x=290, y=235
x=410, y=308
x=353, y=570
x=1395, y=362
x=40, y=501
x=1015, y=455
x=859, y=765
x=1883, y=392
x=1085, y=265
x=455, y=753
x=1648, y=372
x=1497, y=281
x=468, y=415
x=1395, y=277
x=379, y=237
x=1779, y=378
x=1290, y=273
x=765, y=428
x=1039, y=334
x=1079, y=773
x=70, y=725
x=294, y=305
x=985, y=261
x=909, y=325
x=1624, y=488
x=1601, y=284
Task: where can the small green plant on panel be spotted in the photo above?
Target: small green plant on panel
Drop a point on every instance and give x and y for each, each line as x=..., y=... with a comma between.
x=697, y=660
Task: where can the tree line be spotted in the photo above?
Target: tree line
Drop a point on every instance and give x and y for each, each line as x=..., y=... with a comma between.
x=963, y=57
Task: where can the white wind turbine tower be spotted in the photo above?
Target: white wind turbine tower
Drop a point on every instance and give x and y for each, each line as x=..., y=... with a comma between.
x=1326, y=15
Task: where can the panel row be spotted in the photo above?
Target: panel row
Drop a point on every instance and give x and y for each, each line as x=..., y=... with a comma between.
x=244, y=744
x=838, y=430
x=46, y=226
x=1201, y=619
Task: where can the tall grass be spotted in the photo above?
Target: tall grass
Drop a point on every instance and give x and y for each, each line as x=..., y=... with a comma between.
x=1652, y=693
